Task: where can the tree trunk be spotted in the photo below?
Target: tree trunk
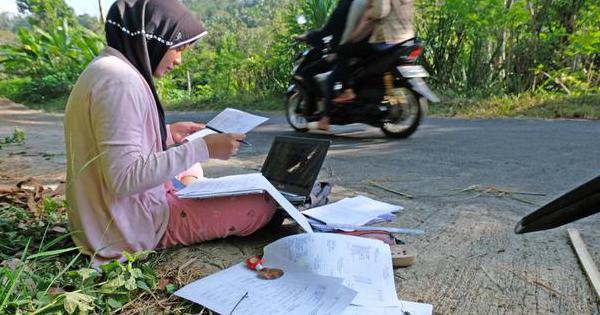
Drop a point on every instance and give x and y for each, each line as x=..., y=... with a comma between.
x=502, y=61
x=101, y=16
x=189, y=83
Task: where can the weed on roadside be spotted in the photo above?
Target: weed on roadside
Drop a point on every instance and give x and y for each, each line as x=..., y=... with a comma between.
x=535, y=106
x=17, y=137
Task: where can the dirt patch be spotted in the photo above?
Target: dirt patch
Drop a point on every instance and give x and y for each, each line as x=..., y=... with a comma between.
x=42, y=155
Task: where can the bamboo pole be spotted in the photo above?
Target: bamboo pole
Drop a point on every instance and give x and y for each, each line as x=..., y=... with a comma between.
x=586, y=260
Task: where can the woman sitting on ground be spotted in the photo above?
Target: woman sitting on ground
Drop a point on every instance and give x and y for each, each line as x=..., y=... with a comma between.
x=121, y=156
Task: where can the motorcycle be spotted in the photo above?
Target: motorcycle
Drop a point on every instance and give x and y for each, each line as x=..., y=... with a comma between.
x=391, y=92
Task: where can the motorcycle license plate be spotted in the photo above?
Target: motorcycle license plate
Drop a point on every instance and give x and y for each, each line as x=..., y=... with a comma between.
x=413, y=71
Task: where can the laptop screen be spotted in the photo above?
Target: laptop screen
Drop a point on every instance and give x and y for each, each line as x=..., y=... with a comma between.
x=293, y=164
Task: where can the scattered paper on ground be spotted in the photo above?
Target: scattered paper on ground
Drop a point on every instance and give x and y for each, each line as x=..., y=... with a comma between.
x=358, y=210
x=292, y=294
x=364, y=264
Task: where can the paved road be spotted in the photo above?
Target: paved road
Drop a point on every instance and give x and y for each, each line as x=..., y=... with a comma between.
x=470, y=261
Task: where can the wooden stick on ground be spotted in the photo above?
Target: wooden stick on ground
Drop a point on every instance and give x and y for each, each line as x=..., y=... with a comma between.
x=390, y=190
x=586, y=260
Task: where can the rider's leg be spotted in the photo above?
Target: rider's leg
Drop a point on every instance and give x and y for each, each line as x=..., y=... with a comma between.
x=345, y=53
x=333, y=78
x=312, y=88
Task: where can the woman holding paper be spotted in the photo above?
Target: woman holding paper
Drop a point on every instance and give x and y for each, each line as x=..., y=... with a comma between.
x=120, y=153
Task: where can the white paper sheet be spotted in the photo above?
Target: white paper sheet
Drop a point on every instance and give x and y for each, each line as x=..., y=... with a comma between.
x=211, y=187
x=364, y=264
x=242, y=184
x=352, y=211
x=292, y=294
x=231, y=121
x=405, y=307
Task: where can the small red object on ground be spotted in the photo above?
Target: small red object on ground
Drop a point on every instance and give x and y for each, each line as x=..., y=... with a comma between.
x=254, y=263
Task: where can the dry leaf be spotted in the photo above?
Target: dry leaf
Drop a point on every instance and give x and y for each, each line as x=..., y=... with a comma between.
x=163, y=282
x=32, y=205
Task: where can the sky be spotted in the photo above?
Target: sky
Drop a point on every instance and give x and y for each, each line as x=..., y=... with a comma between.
x=81, y=6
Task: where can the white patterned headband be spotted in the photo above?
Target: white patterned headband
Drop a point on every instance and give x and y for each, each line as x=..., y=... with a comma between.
x=151, y=36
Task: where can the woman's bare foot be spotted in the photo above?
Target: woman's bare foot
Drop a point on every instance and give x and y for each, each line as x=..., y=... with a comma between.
x=346, y=97
x=323, y=123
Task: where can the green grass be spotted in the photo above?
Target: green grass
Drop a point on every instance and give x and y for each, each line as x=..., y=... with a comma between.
x=243, y=102
x=13, y=89
x=544, y=106
x=56, y=105
x=522, y=106
x=43, y=272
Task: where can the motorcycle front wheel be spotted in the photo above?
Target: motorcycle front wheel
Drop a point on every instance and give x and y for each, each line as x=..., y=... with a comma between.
x=407, y=118
x=293, y=111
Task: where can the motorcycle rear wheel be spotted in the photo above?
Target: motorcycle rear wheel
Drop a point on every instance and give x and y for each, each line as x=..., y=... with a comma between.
x=293, y=109
x=410, y=119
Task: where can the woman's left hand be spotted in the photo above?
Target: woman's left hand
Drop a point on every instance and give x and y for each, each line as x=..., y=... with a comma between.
x=180, y=130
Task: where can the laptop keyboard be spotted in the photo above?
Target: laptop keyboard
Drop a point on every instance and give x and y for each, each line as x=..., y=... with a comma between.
x=293, y=198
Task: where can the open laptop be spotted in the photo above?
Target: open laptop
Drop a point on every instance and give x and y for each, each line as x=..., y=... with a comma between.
x=293, y=164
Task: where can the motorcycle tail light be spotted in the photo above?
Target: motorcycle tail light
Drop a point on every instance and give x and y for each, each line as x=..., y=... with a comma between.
x=414, y=54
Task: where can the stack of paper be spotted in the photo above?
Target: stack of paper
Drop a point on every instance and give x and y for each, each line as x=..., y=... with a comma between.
x=323, y=274
x=365, y=265
x=241, y=185
x=231, y=121
x=359, y=210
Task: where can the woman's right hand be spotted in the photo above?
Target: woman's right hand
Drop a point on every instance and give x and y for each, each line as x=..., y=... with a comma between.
x=223, y=145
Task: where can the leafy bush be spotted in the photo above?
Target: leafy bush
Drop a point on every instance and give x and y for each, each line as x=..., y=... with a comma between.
x=12, y=87
x=515, y=47
x=51, y=59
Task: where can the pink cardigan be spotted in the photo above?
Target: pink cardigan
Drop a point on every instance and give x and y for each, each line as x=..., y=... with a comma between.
x=116, y=170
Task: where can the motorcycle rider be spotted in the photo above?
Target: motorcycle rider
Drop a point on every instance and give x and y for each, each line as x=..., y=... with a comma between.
x=336, y=28
x=384, y=25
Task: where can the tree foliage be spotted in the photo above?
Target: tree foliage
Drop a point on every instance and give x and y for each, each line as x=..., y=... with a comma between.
x=479, y=47
x=474, y=48
x=515, y=46
x=51, y=59
x=46, y=13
